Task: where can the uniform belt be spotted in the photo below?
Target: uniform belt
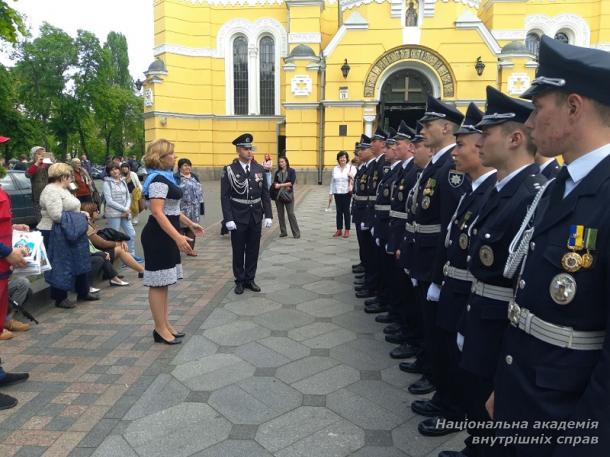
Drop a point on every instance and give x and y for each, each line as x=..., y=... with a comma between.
x=360, y=198
x=557, y=335
x=372, y=198
x=494, y=292
x=457, y=273
x=409, y=227
x=382, y=207
x=246, y=202
x=398, y=214
x=425, y=229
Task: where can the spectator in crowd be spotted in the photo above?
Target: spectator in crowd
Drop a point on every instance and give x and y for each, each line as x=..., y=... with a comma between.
x=133, y=163
x=283, y=193
x=161, y=237
x=83, y=181
x=9, y=257
x=341, y=186
x=85, y=163
x=115, y=249
x=55, y=201
x=118, y=206
x=267, y=165
x=135, y=190
x=38, y=174
x=19, y=290
x=191, y=203
x=22, y=165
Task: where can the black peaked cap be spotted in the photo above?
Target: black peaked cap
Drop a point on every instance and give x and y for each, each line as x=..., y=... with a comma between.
x=502, y=108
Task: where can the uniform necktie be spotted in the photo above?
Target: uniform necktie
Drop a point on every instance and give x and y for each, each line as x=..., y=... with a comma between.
x=560, y=187
x=248, y=171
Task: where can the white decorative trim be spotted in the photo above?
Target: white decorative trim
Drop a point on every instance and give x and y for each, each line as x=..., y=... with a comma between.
x=411, y=35
x=509, y=35
x=603, y=46
x=297, y=105
x=301, y=85
x=148, y=97
x=410, y=65
x=518, y=83
x=252, y=30
x=354, y=22
x=469, y=21
x=292, y=3
x=350, y=4
x=571, y=23
x=184, y=51
x=300, y=38
x=235, y=2
x=171, y=114
x=429, y=8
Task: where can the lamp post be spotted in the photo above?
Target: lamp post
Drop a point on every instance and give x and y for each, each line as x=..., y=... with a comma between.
x=139, y=84
x=479, y=66
x=345, y=68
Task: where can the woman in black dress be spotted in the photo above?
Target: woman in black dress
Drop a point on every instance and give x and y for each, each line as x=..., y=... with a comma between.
x=161, y=238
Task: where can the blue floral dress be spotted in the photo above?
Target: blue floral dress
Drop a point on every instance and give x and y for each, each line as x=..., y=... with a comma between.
x=192, y=197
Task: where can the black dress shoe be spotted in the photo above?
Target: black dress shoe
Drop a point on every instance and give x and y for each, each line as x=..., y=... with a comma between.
x=361, y=287
x=159, y=339
x=359, y=276
x=358, y=283
x=404, y=351
x=89, y=297
x=427, y=408
x=252, y=286
x=411, y=367
x=356, y=265
x=239, y=288
x=358, y=269
x=179, y=334
x=436, y=426
x=10, y=379
x=386, y=318
x=372, y=301
x=392, y=328
x=422, y=386
x=451, y=454
x=365, y=293
x=7, y=402
x=398, y=338
x=375, y=309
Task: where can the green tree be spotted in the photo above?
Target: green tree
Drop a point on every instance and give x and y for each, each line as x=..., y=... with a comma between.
x=11, y=23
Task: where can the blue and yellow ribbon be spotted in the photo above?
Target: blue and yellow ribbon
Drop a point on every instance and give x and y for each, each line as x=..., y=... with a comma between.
x=576, y=239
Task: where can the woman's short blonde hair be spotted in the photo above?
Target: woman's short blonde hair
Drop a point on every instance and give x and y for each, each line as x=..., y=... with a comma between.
x=59, y=170
x=155, y=150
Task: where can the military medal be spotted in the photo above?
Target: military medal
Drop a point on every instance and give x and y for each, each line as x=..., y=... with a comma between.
x=590, y=245
x=486, y=255
x=572, y=261
x=563, y=288
x=386, y=192
x=463, y=241
x=466, y=218
x=362, y=187
x=400, y=196
x=425, y=202
x=430, y=186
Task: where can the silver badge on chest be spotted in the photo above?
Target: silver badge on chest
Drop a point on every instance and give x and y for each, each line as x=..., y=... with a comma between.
x=563, y=288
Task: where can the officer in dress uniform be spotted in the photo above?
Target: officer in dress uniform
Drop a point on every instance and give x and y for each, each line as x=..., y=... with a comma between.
x=549, y=167
x=245, y=198
x=456, y=284
x=436, y=196
x=359, y=204
x=506, y=145
x=376, y=168
x=554, y=366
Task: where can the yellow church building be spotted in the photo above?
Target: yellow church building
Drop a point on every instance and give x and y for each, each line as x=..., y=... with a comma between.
x=307, y=77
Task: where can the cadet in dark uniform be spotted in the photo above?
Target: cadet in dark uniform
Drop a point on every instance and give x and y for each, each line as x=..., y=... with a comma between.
x=507, y=146
x=360, y=203
x=447, y=401
x=245, y=198
x=438, y=192
x=555, y=361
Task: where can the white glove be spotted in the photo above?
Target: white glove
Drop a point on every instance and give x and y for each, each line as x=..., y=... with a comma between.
x=460, y=341
x=377, y=240
x=230, y=225
x=373, y=232
x=406, y=272
x=363, y=226
x=414, y=282
x=434, y=292
x=268, y=222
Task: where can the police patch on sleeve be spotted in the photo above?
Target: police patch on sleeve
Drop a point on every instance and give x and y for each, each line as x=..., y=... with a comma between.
x=456, y=179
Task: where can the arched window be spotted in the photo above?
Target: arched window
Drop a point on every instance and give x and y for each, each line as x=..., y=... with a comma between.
x=267, y=76
x=532, y=42
x=240, y=75
x=563, y=37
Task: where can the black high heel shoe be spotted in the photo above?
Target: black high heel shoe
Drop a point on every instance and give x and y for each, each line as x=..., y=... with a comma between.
x=179, y=334
x=159, y=339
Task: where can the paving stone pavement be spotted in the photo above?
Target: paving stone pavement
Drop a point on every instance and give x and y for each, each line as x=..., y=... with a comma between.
x=297, y=370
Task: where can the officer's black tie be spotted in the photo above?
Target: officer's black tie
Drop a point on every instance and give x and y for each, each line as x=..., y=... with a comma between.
x=560, y=187
x=247, y=171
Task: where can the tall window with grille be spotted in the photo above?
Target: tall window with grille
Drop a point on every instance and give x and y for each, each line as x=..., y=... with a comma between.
x=267, y=76
x=240, y=75
x=532, y=43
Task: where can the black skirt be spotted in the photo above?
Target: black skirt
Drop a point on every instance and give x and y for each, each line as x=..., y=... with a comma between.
x=162, y=263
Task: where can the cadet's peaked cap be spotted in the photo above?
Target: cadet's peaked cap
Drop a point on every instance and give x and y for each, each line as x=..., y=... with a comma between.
x=365, y=142
x=571, y=69
x=502, y=108
x=435, y=110
x=244, y=140
x=380, y=134
x=390, y=139
x=418, y=138
x=404, y=132
x=473, y=117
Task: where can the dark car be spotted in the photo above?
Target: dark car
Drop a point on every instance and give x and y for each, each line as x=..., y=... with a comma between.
x=18, y=186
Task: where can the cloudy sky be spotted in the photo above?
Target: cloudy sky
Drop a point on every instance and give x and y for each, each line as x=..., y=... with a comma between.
x=132, y=18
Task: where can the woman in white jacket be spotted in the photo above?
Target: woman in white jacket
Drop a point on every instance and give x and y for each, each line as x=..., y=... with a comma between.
x=117, y=210
x=341, y=185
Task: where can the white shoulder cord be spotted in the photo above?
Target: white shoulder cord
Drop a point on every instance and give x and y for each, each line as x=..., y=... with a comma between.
x=520, y=244
x=240, y=188
x=450, y=226
x=414, y=192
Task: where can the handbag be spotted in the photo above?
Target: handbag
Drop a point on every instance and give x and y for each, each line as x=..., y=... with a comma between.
x=285, y=196
x=110, y=234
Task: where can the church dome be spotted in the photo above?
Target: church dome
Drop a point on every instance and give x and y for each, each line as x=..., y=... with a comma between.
x=302, y=51
x=157, y=67
x=515, y=47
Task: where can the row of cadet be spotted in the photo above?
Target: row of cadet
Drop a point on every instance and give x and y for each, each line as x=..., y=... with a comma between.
x=489, y=262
